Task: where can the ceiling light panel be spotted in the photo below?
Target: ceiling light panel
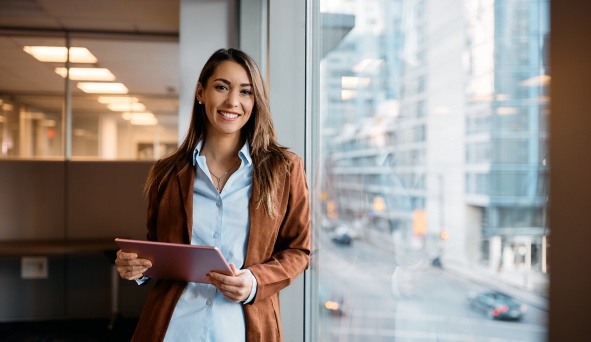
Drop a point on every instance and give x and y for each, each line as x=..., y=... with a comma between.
x=127, y=107
x=58, y=54
x=87, y=74
x=140, y=119
x=144, y=122
x=103, y=87
x=137, y=116
x=117, y=99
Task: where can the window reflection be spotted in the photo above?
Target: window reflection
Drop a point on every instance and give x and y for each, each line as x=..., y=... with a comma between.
x=28, y=130
x=432, y=182
x=137, y=119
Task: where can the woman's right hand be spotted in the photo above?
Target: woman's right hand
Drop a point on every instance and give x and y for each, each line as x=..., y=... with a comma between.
x=131, y=267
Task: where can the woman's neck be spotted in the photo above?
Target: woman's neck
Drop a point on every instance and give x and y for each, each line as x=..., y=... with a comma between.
x=221, y=148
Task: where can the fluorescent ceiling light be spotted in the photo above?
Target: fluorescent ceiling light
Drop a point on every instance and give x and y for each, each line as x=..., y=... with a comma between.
x=87, y=74
x=126, y=107
x=103, y=87
x=140, y=119
x=117, y=99
x=58, y=54
x=144, y=122
x=136, y=115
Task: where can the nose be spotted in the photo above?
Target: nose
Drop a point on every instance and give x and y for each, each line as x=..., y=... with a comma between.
x=233, y=98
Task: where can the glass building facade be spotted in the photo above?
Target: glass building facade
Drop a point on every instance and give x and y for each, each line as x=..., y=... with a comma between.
x=434, y=126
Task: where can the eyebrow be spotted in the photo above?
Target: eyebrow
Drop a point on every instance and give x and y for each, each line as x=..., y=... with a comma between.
x=229, y=83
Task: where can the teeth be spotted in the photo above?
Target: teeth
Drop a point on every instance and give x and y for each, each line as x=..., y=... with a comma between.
x=229, y=115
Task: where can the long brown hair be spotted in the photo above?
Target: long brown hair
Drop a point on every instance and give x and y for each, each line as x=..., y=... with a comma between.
x=269, y=158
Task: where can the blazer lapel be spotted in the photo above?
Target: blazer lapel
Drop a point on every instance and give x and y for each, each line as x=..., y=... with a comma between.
x=262, y=226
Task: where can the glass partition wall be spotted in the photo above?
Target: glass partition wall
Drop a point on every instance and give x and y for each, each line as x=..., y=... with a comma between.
x=31, y=103
x=115, y=98
x=430, y=182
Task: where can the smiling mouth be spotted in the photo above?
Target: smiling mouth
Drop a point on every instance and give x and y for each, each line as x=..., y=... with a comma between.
x=229, y=115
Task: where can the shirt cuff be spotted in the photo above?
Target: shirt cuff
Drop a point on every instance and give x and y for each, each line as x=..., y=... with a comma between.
x=143, y=280
x=253, y=291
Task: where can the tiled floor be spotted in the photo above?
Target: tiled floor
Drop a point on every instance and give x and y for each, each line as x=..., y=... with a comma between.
x=94, y=330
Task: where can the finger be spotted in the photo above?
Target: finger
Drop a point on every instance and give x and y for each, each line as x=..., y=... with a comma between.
x=132, y=274
x=230, y=279
x=230, y=292
x=235, y=271
x=133, y=262
x=140, y=262
x=127, y=272
x=123, y=255
x=134, y=268
x=235, y=288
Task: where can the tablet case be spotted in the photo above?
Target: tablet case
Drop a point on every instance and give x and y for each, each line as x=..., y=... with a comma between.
x=175, y=261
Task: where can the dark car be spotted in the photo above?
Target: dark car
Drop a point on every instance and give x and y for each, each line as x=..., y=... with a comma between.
x=342, y=239
x=497, y=305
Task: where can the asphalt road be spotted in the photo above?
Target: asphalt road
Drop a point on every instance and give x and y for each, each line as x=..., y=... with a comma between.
x=387, y=301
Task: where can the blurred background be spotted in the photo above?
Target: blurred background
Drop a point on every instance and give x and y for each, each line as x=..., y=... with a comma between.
x=425, y=127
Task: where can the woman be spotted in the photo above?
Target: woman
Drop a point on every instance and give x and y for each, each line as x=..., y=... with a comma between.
x=231, y=185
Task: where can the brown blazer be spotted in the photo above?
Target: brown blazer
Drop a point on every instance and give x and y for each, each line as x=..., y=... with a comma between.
x=277, y=252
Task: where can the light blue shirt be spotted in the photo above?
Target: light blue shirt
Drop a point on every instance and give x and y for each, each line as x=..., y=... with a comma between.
x=222, y=220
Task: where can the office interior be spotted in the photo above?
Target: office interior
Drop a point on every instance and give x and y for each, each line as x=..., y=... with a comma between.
x=76, y=182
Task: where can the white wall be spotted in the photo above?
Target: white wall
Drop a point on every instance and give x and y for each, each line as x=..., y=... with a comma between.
x=205, y=26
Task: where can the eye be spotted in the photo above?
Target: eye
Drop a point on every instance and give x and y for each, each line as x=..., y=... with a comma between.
x=246, y=92
x=221, y=87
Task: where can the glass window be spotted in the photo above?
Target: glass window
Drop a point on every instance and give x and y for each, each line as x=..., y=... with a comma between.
x=430, y=195
x=31, y=98
x=122, y=95
x=140, y=123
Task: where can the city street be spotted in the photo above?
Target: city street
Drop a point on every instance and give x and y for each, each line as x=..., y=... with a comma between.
x=418, y=303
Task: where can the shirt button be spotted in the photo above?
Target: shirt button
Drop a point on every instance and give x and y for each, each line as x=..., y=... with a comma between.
x=208, y=302
x=216, y=235
x=218, y=203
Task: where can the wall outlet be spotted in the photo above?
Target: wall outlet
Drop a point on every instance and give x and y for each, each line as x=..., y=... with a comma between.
x=34, y=268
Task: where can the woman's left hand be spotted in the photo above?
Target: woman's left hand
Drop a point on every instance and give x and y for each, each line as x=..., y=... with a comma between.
x=235, y=287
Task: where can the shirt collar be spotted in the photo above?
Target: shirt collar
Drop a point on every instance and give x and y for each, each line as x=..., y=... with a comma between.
x=244, y=153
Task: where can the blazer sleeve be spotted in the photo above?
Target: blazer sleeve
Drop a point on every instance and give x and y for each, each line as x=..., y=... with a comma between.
x=291, y=251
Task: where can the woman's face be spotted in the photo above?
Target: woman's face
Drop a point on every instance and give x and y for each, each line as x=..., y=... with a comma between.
x=228, y=98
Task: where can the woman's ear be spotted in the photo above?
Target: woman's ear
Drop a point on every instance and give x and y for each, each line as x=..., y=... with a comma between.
x=199, y=92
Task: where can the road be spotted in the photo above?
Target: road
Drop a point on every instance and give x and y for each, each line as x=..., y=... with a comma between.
x=419, y=303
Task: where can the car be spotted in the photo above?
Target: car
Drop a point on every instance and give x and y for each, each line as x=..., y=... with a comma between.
x=331, y=303
x=497, y=305
x=342, y=239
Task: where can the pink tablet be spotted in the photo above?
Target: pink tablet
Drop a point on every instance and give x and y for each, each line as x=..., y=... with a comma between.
x=177, y=261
